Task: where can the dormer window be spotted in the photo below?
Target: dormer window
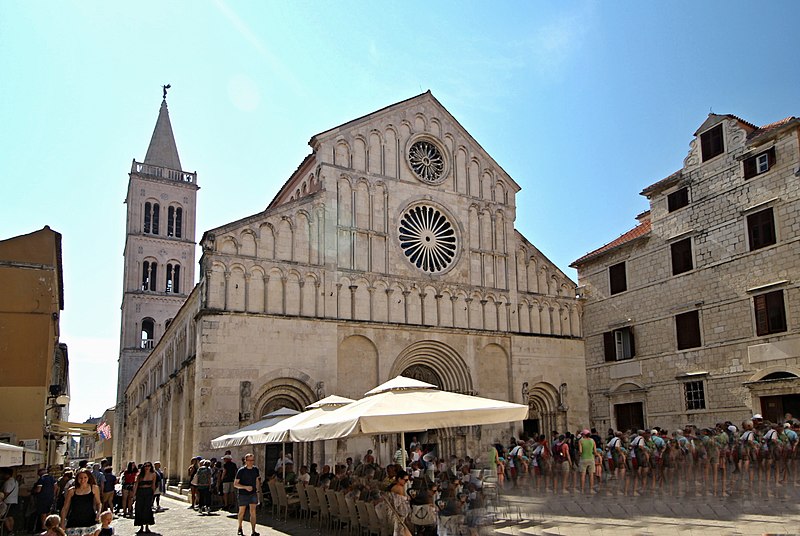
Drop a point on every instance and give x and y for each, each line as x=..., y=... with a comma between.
x=711, y=143
x=760, y=163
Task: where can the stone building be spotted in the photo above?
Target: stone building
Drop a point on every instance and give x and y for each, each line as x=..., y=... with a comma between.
x=390, y=250
x=693, y=316
x=159, y=255
x=34, y=365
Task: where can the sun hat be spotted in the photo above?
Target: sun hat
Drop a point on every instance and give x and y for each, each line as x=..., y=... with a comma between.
x=757, y=416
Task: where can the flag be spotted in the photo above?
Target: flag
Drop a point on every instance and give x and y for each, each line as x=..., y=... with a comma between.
x=104, y=430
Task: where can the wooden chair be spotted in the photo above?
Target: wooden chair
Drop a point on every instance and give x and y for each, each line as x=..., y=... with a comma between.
x=324, y=511
x=285, y=502
x=302, y=495
x=333, y=508
x=376, y=526
x=364, y=520
x=313, y=503
x=273, y=493
x=344, y=512
x=355, y=519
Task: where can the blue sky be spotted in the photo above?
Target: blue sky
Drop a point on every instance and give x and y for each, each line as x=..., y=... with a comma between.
x=582, y=103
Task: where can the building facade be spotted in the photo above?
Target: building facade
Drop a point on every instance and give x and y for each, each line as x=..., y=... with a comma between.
x=693, y=316
x=390, y=250
x=159, y=256
x=34, y=366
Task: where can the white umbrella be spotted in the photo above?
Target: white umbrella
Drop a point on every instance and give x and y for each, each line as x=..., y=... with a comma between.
x=243, y=436
x=279, y=432
x=403, y=405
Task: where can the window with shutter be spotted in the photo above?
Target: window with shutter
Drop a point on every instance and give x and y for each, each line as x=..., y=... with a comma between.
x=761, y=229
x=619, y=344
x=760, y=163
x=711, y=143
x=618, y=281
x=678, y=199
x=682, y=256
x=770, y=313
x=687, y=328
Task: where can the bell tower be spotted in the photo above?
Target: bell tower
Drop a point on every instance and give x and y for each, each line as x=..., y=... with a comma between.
x=159, y=255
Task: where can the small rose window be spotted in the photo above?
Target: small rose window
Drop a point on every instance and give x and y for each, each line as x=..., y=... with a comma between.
x=428, y=239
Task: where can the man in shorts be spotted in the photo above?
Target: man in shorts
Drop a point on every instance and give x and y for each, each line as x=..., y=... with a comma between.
x=228, y=476
x=248, y=482
x=586, y=450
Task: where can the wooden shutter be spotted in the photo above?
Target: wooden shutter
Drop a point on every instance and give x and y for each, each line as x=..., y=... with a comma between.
x=762, y=316
x=610, y=346
x=687, y=326
x=750, y=169
x=632, y=341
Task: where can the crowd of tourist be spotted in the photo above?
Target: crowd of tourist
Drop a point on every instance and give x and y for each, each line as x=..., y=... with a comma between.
x=756, y=457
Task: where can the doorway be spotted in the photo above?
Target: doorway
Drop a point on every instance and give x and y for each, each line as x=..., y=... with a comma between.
x=530, y=428
x=773, y=408
x=629, y=416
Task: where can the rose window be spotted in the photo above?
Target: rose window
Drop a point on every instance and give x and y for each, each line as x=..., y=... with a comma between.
x=428, y=239
x=427, y=161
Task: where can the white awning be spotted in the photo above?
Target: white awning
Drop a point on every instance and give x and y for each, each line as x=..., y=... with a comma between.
x=11, y=455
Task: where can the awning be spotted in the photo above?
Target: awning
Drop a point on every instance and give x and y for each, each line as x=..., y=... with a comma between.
x=11, y=455
x=72, y=428
x=33, y=457
x=243, y=436
x=279, y=432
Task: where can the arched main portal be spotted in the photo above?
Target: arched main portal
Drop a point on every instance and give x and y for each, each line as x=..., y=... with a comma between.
x=543, y=409
x=435, y=360
x=438, y=364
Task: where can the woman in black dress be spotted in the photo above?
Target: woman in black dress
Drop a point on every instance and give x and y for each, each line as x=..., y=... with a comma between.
x=144, y=490
x=81, y=511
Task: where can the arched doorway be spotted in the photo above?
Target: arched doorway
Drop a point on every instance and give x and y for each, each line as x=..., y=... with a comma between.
x=542, y=401
x=776, y=392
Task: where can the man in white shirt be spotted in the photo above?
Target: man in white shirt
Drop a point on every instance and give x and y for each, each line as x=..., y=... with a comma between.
x=9, y=495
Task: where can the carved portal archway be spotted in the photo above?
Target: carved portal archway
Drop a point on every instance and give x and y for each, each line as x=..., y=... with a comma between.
x=543, y=406
x=447, y=366
x=423, y=373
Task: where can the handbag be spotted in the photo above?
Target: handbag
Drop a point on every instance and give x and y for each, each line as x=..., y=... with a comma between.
x=423, y=514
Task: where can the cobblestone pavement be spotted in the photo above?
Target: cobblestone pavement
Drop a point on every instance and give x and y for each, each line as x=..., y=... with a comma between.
x=518, y=514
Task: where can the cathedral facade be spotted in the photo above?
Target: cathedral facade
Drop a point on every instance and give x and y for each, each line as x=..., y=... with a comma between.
x=390, y=250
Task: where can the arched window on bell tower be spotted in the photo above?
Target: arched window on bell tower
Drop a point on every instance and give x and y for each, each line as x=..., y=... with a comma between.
x=175, y=221
x=151, y=211
x=173, y=277
x=149, y=275
x=148, y=334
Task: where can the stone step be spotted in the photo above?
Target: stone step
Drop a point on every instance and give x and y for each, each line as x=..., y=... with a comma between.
x=177, y=493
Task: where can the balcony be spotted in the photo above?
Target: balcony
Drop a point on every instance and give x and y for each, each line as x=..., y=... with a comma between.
x=147, y=344
x=163, y=173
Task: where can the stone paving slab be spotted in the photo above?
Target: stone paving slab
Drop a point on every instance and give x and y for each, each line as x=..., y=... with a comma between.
x=520, y=515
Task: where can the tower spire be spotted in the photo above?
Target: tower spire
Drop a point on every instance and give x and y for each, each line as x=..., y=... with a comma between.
x=162, y=150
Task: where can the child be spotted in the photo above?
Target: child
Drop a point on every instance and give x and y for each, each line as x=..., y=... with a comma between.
x=52, y=526
x=105, y=528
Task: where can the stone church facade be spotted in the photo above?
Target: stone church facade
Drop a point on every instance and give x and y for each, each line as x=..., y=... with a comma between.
x=693, y=316
x=390, y=250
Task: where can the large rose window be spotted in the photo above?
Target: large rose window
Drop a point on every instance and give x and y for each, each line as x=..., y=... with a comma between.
x=428, y=239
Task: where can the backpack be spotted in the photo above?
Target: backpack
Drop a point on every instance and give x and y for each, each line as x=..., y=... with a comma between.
x=204, y=476
x=558, y=453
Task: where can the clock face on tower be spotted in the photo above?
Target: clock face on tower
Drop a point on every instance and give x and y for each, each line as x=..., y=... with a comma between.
x=428, y=239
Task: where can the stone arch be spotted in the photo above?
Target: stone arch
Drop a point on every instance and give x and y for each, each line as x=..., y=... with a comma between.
x=428, y=306
x=229, y=245
x=283, y=251
x=215, y=286
x=266, y=242
x=361, y=208
x=283, y=388
x=236, y=288
x=247, y=241
x=448, y=365
x=435, y=127
x=460, y=170
x=275, y=300
x=255, y=290
x=543, y=406
x=374, y=160
x=491, y=370
x=524, y=317
x=359, y=153
x=474, y=175
x=500, y=192
x=356, y=366
x=293, y=280
x=763, y=373
x=301, y=236
x=626, y=385
x=362, y=299
x=380, y=305
x=420, y=123
x=396, y=301
x=460, y=310
x=392, y=163
x=344, y=201
x=310, y=293
x=344, y=297
x=341, y=154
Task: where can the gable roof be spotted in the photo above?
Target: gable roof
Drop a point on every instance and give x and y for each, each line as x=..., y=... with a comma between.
x=641, y=230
